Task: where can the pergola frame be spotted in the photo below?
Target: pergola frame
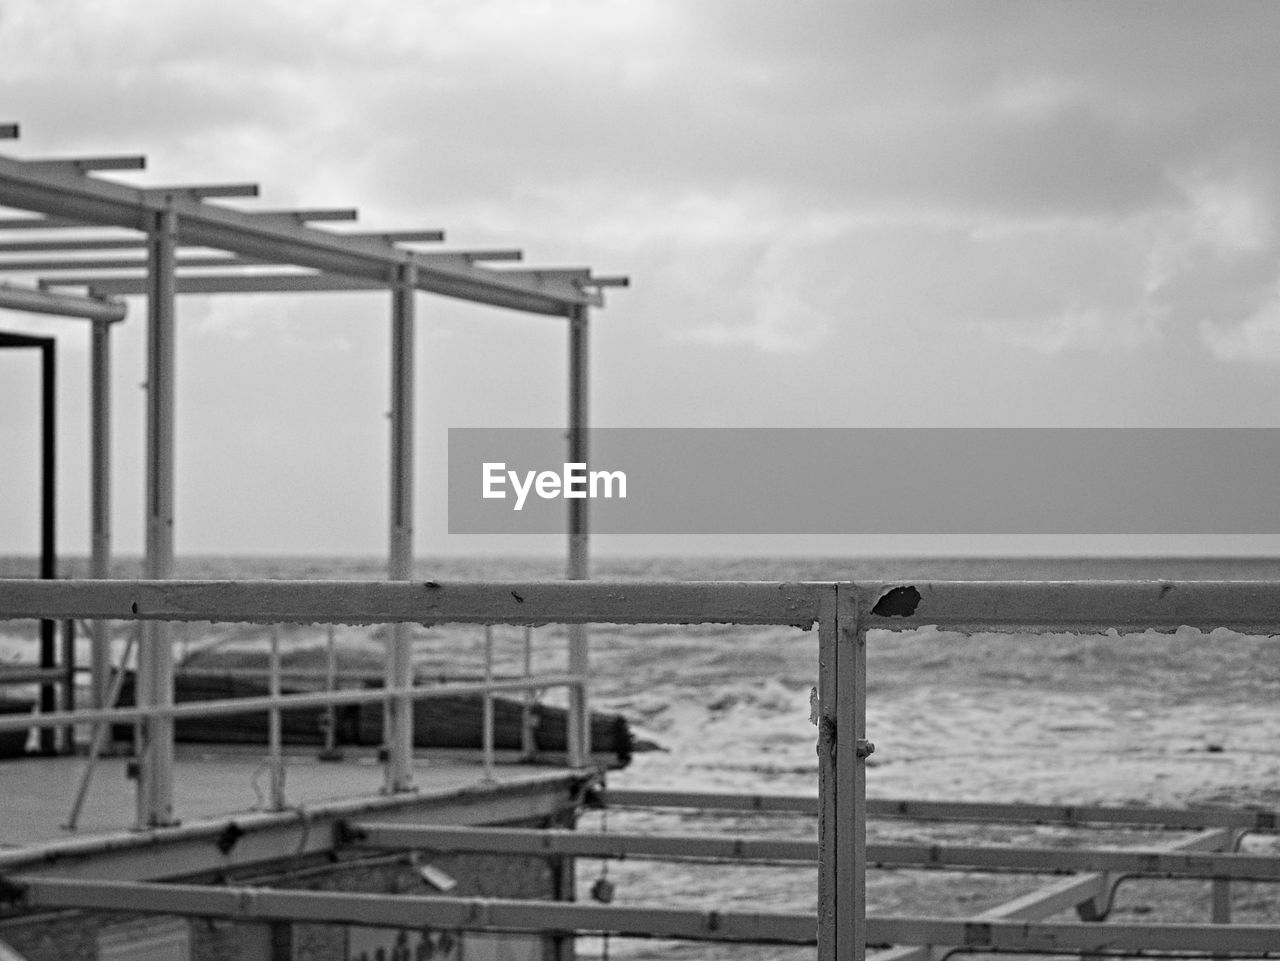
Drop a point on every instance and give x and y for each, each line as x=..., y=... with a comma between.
x=65, y=200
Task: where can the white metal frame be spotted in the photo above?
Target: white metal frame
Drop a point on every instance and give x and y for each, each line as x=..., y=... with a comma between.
x=844, y=614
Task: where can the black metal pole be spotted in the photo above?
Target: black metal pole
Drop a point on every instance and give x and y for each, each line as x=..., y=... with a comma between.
x=48, y=519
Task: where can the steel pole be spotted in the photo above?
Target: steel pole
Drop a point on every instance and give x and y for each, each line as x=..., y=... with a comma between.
x=100, y=501
x=48, y=526
x=579, y=727
x=155, y=657
x=398, y=725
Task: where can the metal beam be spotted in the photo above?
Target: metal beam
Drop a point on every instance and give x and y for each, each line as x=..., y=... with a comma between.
x=429, y=602
x=83, y=165
x=221, y=284
x=253, y=838
x=69, y=243
x=1046, y=606
x=580, y=843
x=203, y=191
x=37, y=301
x=264, y=703
x=1063, y=936
x=42, y=223
x=1265, y=820
x=409, y=911
x=399, y=236
x=280, y=238
x=304, y=216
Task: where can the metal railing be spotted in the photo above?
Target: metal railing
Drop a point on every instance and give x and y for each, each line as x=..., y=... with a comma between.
x=844, y=614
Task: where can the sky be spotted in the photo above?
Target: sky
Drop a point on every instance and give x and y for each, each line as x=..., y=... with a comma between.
x=833, y=214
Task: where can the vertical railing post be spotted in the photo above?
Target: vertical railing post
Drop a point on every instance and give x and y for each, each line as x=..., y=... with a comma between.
x=100, y=502
x=399, y=671
x=48, y=527
x=275, y=728
x=841, y=719
x=487, y=721
x=155, y=657
x=579, y=726
x=528, y=743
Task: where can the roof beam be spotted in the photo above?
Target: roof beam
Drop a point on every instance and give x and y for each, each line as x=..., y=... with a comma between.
x=40, y=223
x=201, y=191
x=279, y=239
x=262, y=283
x=85, y=164
x=303, y=217
x=39, y=246
x=35, y=301
x=399, y=236
x=221, y=284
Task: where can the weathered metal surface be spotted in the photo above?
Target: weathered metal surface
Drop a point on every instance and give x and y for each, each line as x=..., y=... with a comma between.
x=1085, y=606
x=1069, y=814
x=381, y=910
x=1055, y=937
x=256, y=837
x=583, y=843
x=424, y=602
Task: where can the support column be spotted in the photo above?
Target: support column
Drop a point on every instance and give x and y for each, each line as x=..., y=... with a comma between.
x=155, y=657
x=398, y=740
x=579, y=733
x=100, y=500
x=48, y=528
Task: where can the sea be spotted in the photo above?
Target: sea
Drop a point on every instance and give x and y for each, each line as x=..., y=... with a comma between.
x=1183, y=718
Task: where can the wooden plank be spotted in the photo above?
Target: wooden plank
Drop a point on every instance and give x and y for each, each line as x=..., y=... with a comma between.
x=429, y=602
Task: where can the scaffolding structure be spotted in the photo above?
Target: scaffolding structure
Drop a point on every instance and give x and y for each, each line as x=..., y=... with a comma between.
x=163, y=242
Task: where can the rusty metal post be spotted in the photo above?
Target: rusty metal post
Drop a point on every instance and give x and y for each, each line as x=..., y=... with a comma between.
x=155, y=656
x=579, y=726
x=398, y=740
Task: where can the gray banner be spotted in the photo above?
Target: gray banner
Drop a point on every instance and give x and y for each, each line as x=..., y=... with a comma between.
x=870, y=481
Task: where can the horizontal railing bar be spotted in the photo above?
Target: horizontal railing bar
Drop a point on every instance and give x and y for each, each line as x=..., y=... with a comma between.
x=429, y=602
x=1137, y=861
x=1071, y=814
x=955, y=810
x=247, y=705
x=1144, y=862
x=1074, y=606
x=28, y=675
x=409, y=911
x=709, y=800
x=1060, y=936
x=581, y=843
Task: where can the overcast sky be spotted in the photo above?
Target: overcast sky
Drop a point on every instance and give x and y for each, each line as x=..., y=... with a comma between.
x=833, y=214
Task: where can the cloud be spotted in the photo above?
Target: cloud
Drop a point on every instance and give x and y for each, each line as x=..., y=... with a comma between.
x=1256, y=340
